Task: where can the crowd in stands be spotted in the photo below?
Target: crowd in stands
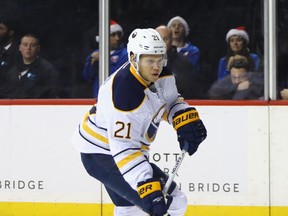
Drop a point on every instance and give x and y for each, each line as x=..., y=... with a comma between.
x=25, y=74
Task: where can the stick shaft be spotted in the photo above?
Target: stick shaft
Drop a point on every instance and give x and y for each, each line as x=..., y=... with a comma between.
x=174, y=172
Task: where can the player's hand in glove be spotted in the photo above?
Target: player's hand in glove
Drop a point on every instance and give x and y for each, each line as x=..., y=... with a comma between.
x=190, y=129
x=151, y=193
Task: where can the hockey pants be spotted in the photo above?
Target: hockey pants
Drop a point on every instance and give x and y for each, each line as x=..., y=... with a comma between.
x=125, y=198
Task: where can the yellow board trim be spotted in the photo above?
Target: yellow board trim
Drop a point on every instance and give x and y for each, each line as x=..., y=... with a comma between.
x=84, y=209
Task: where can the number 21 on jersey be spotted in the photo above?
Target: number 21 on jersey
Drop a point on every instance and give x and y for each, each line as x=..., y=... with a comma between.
x=123, y=130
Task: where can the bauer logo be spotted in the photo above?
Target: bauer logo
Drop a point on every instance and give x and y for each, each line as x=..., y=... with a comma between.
x=185, y=118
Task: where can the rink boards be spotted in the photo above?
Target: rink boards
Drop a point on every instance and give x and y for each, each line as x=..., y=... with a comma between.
x=239, y=170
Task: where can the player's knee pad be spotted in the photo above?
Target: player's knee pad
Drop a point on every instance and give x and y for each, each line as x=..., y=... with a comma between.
x=179, y=204
x=128, y=211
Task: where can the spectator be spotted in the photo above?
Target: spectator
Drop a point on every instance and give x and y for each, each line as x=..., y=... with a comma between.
x=283, y=88
x=187, y=80
x=241, y=84
x=237, y=41
x=9, y=48
x=282, y=75
x=118, y=56
x=284, y=94
x=180, y=31
x=31, y=76
x=88, y=43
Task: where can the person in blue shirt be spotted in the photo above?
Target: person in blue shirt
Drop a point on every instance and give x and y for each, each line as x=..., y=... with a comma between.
x=180, y=31
x=237, y=41
x=118, y=56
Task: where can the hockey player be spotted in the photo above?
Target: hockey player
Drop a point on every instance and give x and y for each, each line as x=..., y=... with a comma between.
x=115, y=135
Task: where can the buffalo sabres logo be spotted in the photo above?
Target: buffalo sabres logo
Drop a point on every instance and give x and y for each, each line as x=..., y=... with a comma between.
x=134, y=34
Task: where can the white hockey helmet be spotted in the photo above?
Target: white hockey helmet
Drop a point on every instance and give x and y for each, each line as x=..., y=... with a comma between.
x=145, y=41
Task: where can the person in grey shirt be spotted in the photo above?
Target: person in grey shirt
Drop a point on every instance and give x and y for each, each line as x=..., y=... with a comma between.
x=240, y=84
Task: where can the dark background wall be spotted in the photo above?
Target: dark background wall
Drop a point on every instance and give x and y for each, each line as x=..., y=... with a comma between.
x=67, y=29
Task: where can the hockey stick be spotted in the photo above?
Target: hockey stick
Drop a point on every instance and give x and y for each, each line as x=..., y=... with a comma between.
x=175, y=168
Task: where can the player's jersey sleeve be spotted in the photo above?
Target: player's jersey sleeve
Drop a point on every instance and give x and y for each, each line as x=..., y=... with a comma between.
x=174, y=101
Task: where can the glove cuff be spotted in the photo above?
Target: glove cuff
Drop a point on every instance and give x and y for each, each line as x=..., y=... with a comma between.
x=148, y=187
x=184, y=118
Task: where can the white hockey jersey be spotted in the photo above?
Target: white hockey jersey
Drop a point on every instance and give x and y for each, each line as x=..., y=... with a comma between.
x=125, y=120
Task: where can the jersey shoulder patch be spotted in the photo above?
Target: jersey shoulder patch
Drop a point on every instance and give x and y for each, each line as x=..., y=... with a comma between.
x=127, y=92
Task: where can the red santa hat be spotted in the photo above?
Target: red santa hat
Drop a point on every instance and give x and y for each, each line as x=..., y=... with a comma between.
x=114, y=27
x=239, y=31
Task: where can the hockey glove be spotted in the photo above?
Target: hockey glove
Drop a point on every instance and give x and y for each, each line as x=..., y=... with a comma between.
x=189, y=129
x=151, y=193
